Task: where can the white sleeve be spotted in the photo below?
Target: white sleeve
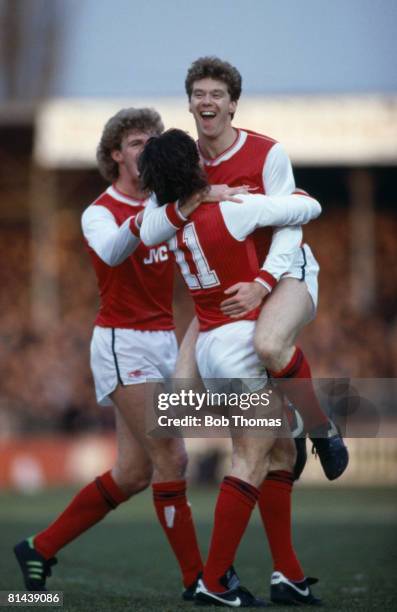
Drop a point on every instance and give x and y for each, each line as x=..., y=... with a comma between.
x=278, y=177
x=260, y=211
x=160, y=223
x=285, y=242
x=263, y=210
x=111, y=242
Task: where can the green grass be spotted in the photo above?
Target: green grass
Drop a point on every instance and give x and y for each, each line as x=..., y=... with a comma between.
x=347, y=538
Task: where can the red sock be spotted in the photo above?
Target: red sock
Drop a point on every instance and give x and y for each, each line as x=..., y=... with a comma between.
x=89, y=506
x=175, y=516
x=275, y=508
x=302, y=393
x=234, y=506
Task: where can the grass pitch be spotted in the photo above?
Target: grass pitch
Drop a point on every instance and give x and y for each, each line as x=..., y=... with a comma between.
x=346, y=537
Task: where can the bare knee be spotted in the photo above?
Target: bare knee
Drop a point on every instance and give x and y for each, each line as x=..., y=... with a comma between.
x=251, y=460
x=170, y=461
x=130, y=479
x=273, y=350
x=253, y=472
x=283, y=455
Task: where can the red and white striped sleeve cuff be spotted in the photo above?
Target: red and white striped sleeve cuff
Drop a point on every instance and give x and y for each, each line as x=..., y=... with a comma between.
x=266, y=279
x=134, y=227
x=174, y=215
x=299, y=191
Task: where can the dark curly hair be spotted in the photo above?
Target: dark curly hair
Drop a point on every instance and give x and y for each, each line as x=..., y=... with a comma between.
x=126, y=120
x=212, y=67
x=169, y=166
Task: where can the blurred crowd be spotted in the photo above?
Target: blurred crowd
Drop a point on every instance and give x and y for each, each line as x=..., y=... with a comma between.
x=46, y=382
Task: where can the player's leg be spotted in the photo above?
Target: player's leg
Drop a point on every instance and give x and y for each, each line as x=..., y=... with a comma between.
x=275, y=508
x=186, y=374
x=238, y=495
x=237, y=498
x=228, y=353
x=288, y=582
x=288, y=309
x=169, y=485
x=133, y=468
x=130, y=475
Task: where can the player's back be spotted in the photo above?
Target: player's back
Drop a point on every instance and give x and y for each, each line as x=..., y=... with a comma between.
x=212, y=260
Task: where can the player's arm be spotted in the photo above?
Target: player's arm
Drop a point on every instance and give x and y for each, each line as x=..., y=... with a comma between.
x=259, y=211
x=262, y=211
x=278, y=179
x=111, y=242
x=160, y=223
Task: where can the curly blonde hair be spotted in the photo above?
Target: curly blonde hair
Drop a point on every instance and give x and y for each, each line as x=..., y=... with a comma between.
x=126, y=120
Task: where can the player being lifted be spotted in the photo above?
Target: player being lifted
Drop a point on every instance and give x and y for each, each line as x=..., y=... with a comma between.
x=236, y=157
x=133, y=340
x=214, y=247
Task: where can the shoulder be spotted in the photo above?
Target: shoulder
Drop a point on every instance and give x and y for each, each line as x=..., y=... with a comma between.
x=95, y=212
x=104, y=199
x=261, y=140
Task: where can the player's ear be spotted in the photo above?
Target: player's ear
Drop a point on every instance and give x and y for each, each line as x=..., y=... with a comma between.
x=117, y=155
x=232, y=106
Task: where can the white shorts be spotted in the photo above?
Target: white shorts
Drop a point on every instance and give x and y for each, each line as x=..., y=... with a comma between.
x=305, y=268
x=130, y=357
x=227, y=352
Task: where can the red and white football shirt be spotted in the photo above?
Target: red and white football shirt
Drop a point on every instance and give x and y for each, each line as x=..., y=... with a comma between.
x=215, y=248
x=135, y=282
x=260, y=162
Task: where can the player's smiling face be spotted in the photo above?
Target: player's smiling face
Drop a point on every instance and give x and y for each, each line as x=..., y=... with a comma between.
x=131, y=147
x=211, y=107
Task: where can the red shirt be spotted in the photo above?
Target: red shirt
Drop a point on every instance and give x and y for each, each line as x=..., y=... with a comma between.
x=136, y=293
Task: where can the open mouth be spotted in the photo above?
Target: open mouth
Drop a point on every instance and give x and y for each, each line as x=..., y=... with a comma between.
x=208, y=114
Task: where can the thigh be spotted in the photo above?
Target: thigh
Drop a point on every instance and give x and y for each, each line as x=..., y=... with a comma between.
x=187, y=375
x=288, y=308
x=133, y=402
x=186, y=366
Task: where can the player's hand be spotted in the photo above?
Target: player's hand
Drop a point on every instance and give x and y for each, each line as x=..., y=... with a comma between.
x=220, y=193
x=246, y=297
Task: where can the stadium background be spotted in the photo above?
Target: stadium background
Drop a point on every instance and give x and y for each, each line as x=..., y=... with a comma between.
x=317, y=76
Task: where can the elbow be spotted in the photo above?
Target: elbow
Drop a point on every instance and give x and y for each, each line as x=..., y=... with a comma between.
x=317, y=210
x=112, y=262
x=146, y=238
x=313, y=209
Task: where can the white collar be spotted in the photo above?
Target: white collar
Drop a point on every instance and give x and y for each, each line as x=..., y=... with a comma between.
x=236, y=146
x=121, y=197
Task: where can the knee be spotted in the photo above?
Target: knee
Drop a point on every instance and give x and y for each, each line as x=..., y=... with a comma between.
x=132, y=480
x=179, y=461
x=283, y=457
x=252, y=470
x=171, y=462
x=273, y=351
